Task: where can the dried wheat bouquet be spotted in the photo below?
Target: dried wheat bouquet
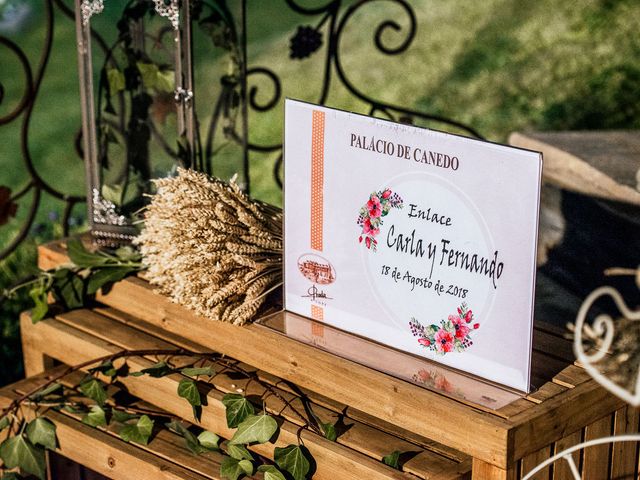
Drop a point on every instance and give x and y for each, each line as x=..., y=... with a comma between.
x=209, y=247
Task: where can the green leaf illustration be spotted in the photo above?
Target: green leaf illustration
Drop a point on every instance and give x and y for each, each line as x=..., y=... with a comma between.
x=138, y=432
x=232, y=468
x=271, y=472
x=18, y=452
x=96, y=417
x=42, y=431
x=94, y=390
x=256, y=428
x=188, y=389
x=293, y=460
x=238, y=409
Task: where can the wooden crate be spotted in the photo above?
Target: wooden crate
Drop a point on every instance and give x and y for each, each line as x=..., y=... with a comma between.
x=504, y=444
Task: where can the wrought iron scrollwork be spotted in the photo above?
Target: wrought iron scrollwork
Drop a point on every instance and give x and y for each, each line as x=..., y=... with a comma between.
x=308, y=40
x=324, y=35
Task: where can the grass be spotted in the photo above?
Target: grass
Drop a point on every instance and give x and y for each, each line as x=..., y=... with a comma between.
x=498, y=65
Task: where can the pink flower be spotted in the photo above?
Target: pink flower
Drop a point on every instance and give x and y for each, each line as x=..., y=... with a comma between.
x=386, y=194
x=476, y=326
x=373, y=205
x=444, y=341
x=368, y=228
x=424, y=341
x=461, y=329
x=459, y=311
x=424, y=376
x=443, y=384
x=367, y=241
x=469, y=316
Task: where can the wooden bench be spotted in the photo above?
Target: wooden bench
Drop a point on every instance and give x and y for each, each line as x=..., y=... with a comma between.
x=450, y=437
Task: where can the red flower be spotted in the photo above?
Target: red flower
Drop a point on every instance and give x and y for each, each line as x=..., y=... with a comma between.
x=8, y=208
x=386, y=194
x=461, y=329
x=373, y=205
x=368, y=228
x=469, y=316
x=424, y=375
x=444, y=341
x=476, y=326
x=367, y=241
x=424, y=341
x=459, y=311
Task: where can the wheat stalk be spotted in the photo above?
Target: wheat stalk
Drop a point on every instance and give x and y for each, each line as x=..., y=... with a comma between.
x=211, y=248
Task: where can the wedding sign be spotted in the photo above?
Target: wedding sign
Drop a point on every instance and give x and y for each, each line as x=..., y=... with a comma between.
x=416, y=239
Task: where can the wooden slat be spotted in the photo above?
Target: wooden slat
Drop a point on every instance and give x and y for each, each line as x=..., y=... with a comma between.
x=561, y=470
x=514, y=408
x=534, y=459
x=553, y=345
x=547, y=391
x=485, y=471
x=71, y=346
x=571, y=376
x=378, y=394
x=339, y=408
x=624, y=455
x=547, y=422
x=105, y=454
x=596, y=459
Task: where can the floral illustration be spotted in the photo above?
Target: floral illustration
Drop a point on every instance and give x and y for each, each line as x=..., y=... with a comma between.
x=370, y=218
x=437, y=381
x=453, y=334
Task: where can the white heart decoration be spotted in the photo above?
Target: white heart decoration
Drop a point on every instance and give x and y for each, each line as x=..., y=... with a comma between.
x=603, y=327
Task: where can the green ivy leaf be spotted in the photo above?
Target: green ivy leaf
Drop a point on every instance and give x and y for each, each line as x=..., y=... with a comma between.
x=106, y=368
x=238, y=452
x=42, y=431
x=271, y=472
x=293, y=460
x=232, y=468
x=54, y=387
x=138, y=432
x=209, y=440
x=165, y=81
x=107, y=276
x=393, y=459
x=83, y=258
x=68, y=288
x=256, y=428
x=149, y=74
x=238, y=409
x=116, y=81
x=18, y=452
x=96, y=417
x=4, y=422
x=11, y=476
x=128, y=254
x=159, y=370
x=93, y=389
x=194, y=372
x=329, y=431
x=122, y=417
x=41, y=306
x=190, y=439
x=188, y=389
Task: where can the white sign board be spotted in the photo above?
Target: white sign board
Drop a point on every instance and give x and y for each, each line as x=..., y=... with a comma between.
x=416, y=239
